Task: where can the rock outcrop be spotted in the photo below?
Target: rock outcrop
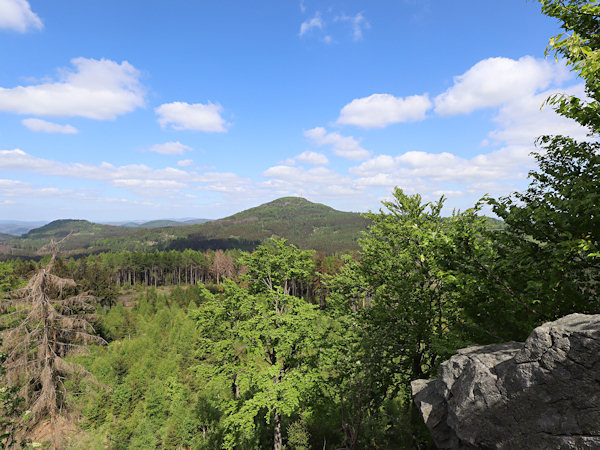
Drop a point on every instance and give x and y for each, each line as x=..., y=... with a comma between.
x=542, y=394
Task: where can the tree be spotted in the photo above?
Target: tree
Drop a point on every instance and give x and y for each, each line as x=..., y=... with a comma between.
x=580, y=46
x=8, y=276
x=402, y=289
x=553, y=228
x=279, y=269
x=44, y=321
x=264, y=341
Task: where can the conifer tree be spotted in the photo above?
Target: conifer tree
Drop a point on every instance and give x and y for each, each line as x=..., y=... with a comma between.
x=43, y=322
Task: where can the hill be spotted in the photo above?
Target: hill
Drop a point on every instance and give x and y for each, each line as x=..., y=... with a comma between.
x=82, y=237
x=307, y=225
x=61, y=228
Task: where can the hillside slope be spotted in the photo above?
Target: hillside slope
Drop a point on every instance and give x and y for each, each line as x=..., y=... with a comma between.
x=305, y=224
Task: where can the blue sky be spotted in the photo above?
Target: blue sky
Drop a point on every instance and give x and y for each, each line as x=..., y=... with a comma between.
x=144, y=109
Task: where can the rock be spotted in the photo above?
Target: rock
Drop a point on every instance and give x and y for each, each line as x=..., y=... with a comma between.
x=541, y=394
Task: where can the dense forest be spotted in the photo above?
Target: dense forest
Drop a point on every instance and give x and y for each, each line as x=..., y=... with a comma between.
x=285, y=347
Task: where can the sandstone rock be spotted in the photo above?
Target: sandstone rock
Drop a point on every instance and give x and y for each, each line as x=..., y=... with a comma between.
x=543, y=394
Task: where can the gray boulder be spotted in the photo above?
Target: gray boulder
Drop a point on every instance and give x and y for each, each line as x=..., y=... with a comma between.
x=543, y=394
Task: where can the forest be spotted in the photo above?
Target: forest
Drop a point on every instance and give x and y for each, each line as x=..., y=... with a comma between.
x=286, y=347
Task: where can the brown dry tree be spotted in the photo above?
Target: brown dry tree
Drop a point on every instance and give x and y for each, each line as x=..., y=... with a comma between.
x=42, y=323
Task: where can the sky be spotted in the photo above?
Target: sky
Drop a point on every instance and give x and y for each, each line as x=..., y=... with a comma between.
x=145, y=109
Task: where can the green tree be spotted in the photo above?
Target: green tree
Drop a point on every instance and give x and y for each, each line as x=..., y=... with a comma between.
x=9, y=279
x=277, y=268
x=579, y=45
x=402, y=299
x=265, y=341
x=550, y=249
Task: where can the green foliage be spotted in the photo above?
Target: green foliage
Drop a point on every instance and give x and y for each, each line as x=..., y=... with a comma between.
x=153, y=397
x=580, y=46
x=264, y=343
x=298, y=435
x=554, y=229
x=9, y=279
x=401, y=308
x=10, y=409
x=405, y=264
x=278, y=268
x=548, y=258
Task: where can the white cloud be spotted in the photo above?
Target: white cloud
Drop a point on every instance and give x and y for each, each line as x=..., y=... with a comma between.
x=16, y=189
x=314, y=158
x=506, y=163
x=447, y=169
x=381, y=110
x=43, y=126
x=344, y=146
x=19, y=160
x=448, y=193
x=224, y=182
x=16, y=15
x=184, y=162
x=170, y=148
x=495, y=81
x=138, y=178
x=97, y=89
x=314, y=22
x=149, y=187
x=385, y=180
x=318, y=181
x=521, y=120
x=197, y=116
x=379, y=164
x=358, y=22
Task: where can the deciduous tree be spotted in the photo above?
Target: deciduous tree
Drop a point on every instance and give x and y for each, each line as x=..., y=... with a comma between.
x=265, y=341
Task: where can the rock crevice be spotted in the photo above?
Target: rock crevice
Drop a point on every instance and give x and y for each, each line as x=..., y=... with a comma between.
x=544, y=393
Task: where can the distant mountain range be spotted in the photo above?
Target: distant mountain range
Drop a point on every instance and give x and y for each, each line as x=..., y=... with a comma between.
x=305, y=224
x=159, y=223
x=17, y=227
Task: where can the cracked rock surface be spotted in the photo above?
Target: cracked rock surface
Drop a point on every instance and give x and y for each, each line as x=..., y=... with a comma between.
x=541, y=394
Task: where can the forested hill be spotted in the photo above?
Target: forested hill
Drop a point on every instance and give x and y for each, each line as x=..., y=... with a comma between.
x=61, y=228
x=305, y=224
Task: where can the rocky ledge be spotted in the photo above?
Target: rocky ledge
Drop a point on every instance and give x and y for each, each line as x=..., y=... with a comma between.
x=541, y=394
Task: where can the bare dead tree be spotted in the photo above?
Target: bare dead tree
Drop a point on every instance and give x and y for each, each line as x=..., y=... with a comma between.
x=42, y=323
